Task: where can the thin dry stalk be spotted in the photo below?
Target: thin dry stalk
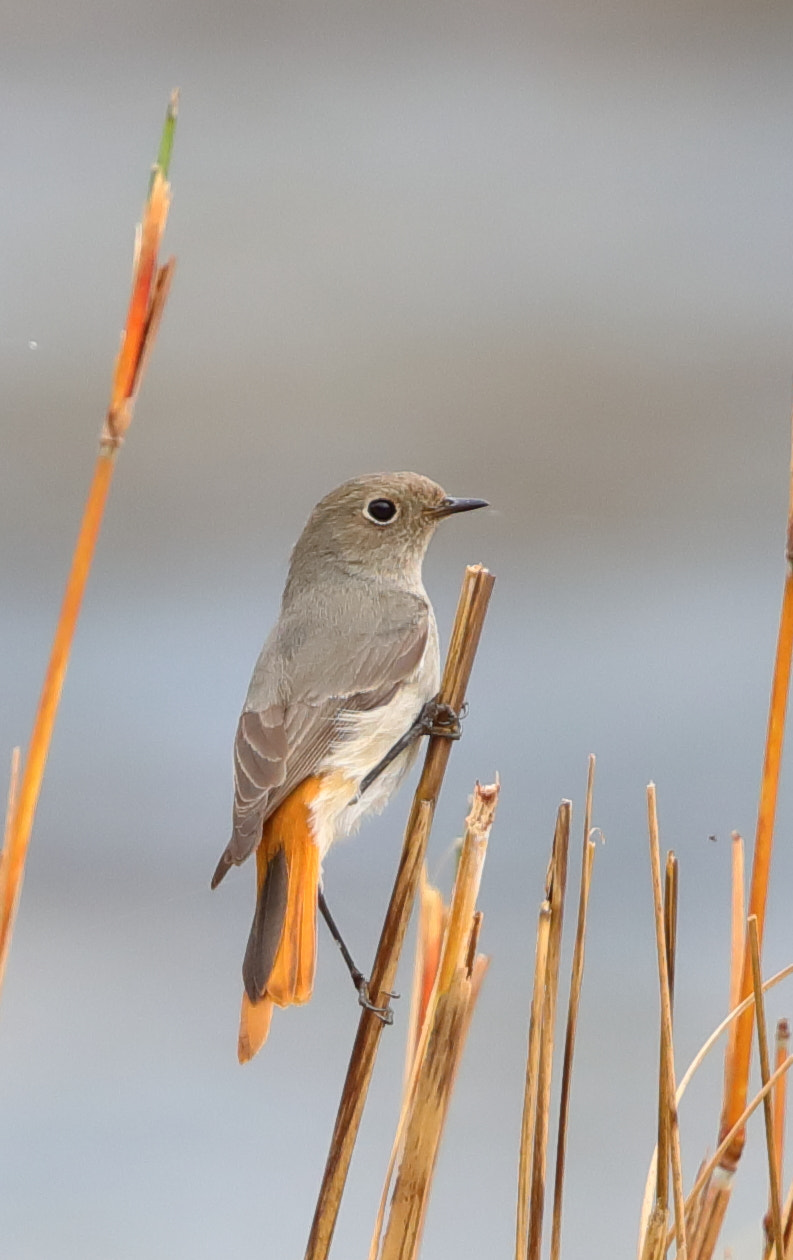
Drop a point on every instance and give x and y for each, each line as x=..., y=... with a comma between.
x=670, y=940
x=577, y=975
x=737, y=942
x=471, y=610
x=149, y=289
x=532, y=1072
x=429, y=944
x=781, y=1050
x=555, y=893
x=707, y=1211
x=11, y=801
x=667, y=1043
x=765, y=1074
x=787, y=1219
x=737, y=1083
x=448, y=1020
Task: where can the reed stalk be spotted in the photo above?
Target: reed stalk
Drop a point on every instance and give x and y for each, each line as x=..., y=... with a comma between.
x=737, y=1081
x=576, y=979
x=150, y=285
x=765, y=1074
x=554, y=894
x=471, y=611
x=441, y=1045
x=529, y=1119
x=667, y=1043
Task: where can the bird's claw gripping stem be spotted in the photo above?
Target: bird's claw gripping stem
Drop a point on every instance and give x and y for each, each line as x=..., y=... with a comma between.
x=383, y=1013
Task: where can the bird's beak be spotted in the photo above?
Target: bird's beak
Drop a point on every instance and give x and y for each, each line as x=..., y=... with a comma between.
x=447, y=507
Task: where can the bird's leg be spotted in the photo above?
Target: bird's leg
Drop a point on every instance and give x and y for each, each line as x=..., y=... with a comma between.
x=434, y=719
x=359, y=980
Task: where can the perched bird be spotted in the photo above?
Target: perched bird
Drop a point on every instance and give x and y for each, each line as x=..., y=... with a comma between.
x=343, y=689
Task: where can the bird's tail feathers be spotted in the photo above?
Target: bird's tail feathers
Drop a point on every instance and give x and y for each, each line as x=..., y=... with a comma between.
x=281, y=955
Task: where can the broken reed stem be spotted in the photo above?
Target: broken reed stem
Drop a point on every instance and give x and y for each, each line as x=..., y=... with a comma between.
x=667, y=1044
x=149, y=290
x=448, y=1019
x=471, y=611
x=670, y=940
x=530, y=1089
x=577, y=975
x=555, y=892
x=737, y=1083
x=765, y=1073
x=467, y=881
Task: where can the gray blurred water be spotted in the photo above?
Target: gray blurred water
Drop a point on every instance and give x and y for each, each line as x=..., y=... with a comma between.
x=543, y=255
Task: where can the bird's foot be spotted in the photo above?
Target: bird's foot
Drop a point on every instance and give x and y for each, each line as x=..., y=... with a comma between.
x=383, y=1013
x=441, y=720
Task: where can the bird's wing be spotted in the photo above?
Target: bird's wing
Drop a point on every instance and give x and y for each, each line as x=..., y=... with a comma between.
x=334, y=671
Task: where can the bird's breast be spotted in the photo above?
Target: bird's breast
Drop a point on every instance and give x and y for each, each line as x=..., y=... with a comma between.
x=368, y=737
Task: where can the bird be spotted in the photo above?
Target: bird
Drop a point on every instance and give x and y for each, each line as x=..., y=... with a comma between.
x=342, y=691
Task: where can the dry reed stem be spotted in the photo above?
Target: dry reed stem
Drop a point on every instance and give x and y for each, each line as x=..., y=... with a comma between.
x=555, y=893
x=149, y=290
x=11, y=801
x=429, y=944
x=16, y=848
x=708, y=1214
x=787, y=1218
x=685, y=1081
x=670, y=939
x=737, y=941
x=466, y=884
x=666, y=1024
x=471, y=610
x=787, y=1215
x=737, y=1083
x=423, y=1131
x=654, y=1244
x=476, y=971
x=765, y=1073
x=418, y=1036
x=426, y=1104
x=532, y=1072
x=576, y=978
x=781, y=1050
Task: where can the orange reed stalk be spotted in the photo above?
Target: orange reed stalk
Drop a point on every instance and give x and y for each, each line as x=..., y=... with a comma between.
x=737, y=1082
x=150, y=285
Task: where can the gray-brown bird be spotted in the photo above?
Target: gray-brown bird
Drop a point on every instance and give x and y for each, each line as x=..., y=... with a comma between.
x=342, y=691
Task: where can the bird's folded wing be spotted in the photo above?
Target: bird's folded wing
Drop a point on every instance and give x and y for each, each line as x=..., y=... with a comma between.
x=334, y=672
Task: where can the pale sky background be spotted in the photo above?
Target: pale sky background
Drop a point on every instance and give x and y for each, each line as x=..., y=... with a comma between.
x=543, y=254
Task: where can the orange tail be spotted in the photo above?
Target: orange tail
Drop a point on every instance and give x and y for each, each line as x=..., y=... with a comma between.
x=279, y=961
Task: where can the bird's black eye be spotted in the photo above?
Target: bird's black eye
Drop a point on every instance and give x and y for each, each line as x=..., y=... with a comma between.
x=381, y=511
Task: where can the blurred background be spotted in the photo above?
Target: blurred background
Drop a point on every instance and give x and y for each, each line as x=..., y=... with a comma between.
x=541, y=253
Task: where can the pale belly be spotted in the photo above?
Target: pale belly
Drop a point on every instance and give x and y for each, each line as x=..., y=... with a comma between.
x=371, y=736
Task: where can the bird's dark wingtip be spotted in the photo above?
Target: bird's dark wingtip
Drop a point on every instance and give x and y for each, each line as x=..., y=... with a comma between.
x=221, y=869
